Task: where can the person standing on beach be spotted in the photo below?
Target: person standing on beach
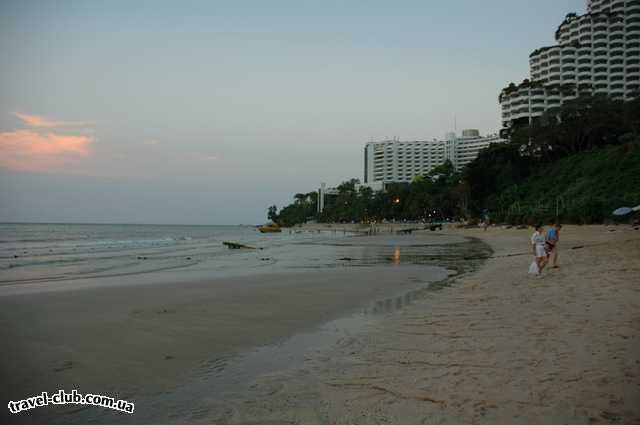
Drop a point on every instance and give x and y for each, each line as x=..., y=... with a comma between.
x=538, y=244
x=553, y=237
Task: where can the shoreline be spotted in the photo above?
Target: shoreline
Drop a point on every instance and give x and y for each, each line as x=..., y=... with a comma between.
x=496, y=347
x=148, y=341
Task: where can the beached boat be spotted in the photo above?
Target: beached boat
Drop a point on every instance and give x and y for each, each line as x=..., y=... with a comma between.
x=236, y=245
x=269, y=228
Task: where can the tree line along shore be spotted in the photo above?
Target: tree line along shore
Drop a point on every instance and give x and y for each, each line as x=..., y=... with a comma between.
x=576, y=164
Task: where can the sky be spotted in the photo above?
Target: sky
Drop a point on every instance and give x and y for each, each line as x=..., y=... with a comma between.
x=207, y=112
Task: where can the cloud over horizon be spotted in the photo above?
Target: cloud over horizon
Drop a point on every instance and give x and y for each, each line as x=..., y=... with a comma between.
x=42, y=122
x=33, y=150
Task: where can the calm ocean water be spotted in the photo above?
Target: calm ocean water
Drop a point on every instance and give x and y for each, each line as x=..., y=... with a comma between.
x=52, y=252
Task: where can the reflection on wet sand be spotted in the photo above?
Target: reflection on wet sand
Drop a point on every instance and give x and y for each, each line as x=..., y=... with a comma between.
x=392, y=304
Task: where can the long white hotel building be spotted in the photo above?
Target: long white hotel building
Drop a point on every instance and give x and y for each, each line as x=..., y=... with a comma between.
x=393, y=161
x=597, y=53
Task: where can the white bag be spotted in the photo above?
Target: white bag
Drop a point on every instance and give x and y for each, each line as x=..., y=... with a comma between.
x=533, y=268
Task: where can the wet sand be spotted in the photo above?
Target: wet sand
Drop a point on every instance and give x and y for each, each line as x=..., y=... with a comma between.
x=496, y=347
x=143, y=342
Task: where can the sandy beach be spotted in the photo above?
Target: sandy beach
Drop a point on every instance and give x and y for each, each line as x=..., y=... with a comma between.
x=494, y=346
x=497, y=347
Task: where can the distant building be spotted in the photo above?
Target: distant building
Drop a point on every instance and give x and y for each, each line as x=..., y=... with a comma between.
x=393, y=161
x=322, y=193
x=463, y=150
x=596, y=53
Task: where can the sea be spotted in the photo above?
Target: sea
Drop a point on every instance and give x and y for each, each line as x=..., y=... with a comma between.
x=31, y=253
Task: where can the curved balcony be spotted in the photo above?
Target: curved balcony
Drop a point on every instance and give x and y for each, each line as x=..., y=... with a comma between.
x=616, y=53
x=598, y=36
x=601, y=89
x=585, y=71
x=600, y=44
x=536, y=101
x=520, y=114
x=618, y=70
x=553, y=104
x=617, y=6
x=602, y=79
x=616, y=35
x=600, y=28
x=602, y=61
x=601, y=70
x=616, y=27
x=616, y=85
x=632, y=69
x=585, y=81
x=585, y=47
x=585, y=38
x=551, y=96
x=617, y=94
x=584, y=61
x=633, y=53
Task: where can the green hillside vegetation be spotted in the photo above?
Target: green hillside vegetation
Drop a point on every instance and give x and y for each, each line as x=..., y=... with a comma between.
x=582, y=188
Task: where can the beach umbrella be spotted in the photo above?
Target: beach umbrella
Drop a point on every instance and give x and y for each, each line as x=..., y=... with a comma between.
x=625, y=211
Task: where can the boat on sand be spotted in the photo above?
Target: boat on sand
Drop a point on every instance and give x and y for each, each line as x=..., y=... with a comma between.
x=269, y=228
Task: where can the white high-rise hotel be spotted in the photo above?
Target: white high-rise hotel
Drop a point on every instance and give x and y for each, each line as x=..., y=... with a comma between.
x=597, y=53
x=393, y=161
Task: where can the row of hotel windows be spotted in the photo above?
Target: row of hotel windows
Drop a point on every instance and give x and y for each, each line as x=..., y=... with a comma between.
x=611, y=59
x=550, y=65
x=554, y=97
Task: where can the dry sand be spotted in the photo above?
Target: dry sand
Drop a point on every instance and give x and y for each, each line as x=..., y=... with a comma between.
x=498, y=347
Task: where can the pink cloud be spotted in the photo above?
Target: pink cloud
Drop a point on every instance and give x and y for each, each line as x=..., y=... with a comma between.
x=26, y=150
x=42, y=122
